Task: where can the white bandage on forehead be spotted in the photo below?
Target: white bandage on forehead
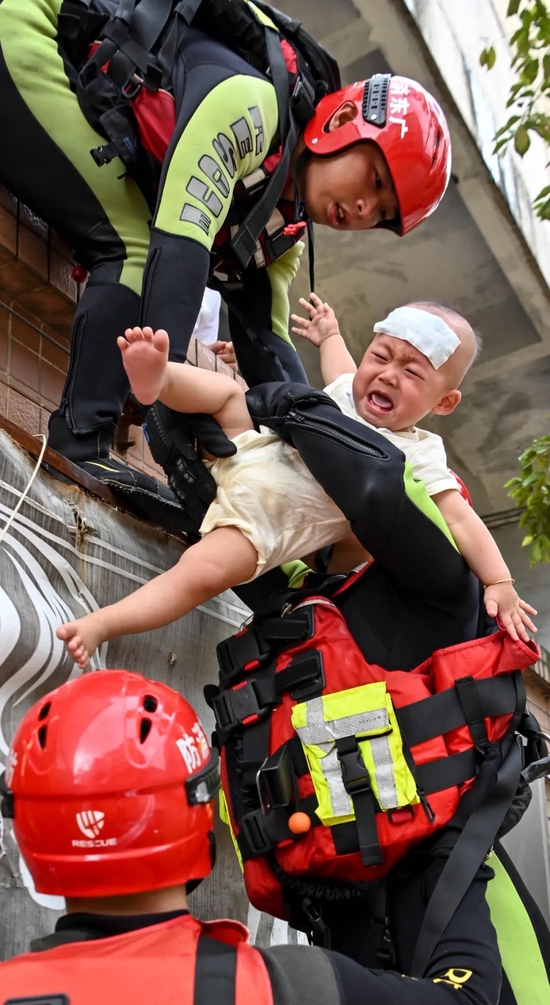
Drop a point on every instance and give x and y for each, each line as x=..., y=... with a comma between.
x=425, y=331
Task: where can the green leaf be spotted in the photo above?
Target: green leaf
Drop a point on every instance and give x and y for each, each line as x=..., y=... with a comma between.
x=527, y=540
x=529, y=73
x=522, y=141
x=546, y=64
x=513, y=8
x=491, y=57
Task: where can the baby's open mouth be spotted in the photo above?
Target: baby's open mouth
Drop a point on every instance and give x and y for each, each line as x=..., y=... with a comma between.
x=379, y=402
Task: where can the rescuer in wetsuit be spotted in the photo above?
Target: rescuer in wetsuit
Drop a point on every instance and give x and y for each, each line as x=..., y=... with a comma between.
x=110, y=783
x=418, y=596
x=362, y=165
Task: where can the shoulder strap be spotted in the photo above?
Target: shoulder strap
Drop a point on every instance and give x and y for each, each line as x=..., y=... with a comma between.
x=466, y=857
x=293, y=114
x=215, y=972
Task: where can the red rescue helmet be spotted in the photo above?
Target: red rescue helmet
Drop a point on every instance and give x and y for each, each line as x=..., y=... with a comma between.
x=410, y=129
x=110, y=782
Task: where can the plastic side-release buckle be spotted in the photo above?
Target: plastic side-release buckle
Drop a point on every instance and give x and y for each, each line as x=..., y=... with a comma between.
x=239, y=706
x=241, y=652
x=354, y=773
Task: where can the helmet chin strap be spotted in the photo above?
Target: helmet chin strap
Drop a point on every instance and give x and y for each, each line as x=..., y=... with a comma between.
x=300, y=212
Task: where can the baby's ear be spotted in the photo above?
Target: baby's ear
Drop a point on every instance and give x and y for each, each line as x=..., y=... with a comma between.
x=448, y=402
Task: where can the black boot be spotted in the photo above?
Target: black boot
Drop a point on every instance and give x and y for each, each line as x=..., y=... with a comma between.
x=142, y=494
x=82, y=428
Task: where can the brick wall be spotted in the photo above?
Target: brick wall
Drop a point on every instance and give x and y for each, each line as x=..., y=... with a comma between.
x=37, y=299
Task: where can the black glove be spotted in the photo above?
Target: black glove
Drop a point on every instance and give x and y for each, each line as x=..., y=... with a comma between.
x=280, y=406
x=172, y=438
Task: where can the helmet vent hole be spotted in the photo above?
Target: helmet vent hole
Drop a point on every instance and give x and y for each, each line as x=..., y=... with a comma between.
x=42, y=736
x=144, y=729
x=150, y=703
x=44, y=711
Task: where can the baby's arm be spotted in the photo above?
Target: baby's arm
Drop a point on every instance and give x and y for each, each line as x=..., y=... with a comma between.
x=219, y=561
x=321, y=329
x=480, y=550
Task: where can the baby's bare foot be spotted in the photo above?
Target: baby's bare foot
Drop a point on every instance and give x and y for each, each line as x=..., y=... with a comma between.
x=145, y=355
x=82, y=637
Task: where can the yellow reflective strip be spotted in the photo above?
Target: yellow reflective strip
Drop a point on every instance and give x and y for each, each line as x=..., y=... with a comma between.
x=517, y=941
x=365, y=698
x=226, y=819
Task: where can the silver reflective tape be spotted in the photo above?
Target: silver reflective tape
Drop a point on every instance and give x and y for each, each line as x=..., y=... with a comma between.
x=425, y=331
x=361, y=722
x=383, y=771
x=316, y=730
x=332, y=770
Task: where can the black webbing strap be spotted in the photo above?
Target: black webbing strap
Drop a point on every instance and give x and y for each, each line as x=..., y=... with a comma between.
x=243, y=244
x=438, y=714
x=357, y=784
x=465, y=859
x=145, y=25
x=447, y=771
x=255, y=749
x=472, y=706
x=215, y=972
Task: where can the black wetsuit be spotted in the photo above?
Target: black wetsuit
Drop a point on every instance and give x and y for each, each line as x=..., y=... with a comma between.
x=143, y=270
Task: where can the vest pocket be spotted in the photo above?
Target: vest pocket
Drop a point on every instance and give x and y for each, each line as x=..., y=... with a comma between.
x=365, y=713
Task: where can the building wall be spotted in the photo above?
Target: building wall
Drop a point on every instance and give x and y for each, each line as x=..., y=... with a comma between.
x=456, y=33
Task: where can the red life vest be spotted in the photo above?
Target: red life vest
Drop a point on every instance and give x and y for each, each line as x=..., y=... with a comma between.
x=334, y=768
x=129, y=969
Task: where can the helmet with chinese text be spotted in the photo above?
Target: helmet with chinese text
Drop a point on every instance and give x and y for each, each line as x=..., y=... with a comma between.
x=110, y=782
x=410, y=129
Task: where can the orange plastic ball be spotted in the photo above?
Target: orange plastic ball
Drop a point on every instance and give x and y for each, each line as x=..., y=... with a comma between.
x=299, y=823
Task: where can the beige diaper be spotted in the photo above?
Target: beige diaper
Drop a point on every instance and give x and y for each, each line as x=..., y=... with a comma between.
x=266, y=491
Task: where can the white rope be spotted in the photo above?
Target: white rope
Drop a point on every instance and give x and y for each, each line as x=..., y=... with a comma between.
x=24, y=494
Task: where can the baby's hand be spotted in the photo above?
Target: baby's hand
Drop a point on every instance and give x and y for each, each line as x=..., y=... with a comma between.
x=320, y=325
x=225, y=352
x=502, y=600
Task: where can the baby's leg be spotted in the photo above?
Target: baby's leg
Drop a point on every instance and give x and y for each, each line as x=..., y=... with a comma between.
x=221, y=560
x=183, y=388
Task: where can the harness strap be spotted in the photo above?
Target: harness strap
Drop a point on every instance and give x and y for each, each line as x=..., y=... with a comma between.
x=295, y=113
x=128, y=39
x=215, y=972
x=243, y=653
x=357, y=784
x=446, y=772
x=440, y=713
x=468, y=853
x=469, y=698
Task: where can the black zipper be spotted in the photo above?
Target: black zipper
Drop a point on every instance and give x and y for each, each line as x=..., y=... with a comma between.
x=335, y=434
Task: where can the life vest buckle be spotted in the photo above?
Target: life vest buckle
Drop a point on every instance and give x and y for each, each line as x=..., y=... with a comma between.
x=355, y=775
x=238, y=706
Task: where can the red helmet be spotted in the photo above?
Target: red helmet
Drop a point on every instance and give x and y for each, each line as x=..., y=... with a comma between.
x=111, y=780
x=409, y=127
